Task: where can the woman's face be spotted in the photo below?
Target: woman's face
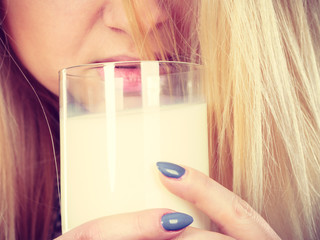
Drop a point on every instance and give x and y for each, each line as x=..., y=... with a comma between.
x=48, y=35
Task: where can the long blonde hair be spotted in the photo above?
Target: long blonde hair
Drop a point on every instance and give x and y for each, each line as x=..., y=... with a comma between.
x=263, y=59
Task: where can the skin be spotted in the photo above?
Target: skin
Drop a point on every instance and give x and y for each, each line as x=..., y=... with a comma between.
x=48, y=35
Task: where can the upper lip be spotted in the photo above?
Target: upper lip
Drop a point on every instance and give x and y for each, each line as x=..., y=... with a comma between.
x=125, y=58
x=119, y=58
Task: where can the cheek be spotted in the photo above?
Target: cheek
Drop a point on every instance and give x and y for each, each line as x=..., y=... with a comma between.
x=43, y=60
x=43, y=55
x=45, y=37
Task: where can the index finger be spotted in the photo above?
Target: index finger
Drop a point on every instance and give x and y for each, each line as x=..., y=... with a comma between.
x=232, y=214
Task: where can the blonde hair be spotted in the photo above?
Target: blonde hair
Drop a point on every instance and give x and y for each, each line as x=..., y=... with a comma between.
x=262, y=62
x=175, y=40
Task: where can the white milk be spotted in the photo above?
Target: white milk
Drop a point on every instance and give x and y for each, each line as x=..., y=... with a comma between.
x=96, y=183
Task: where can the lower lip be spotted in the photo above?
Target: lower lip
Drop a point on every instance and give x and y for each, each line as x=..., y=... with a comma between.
x=131, y=78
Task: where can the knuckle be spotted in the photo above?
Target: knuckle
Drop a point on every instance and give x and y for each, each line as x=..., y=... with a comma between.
x=242, y=210
x=247, y=218
x=206, y=183
x=87, y=232
x=140, y=226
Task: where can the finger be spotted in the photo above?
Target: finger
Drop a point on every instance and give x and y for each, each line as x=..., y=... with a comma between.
x=195, y=233
x=233, y=215
x=150, y=224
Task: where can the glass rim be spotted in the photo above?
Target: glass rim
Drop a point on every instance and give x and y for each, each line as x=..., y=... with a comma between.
x=103, y=64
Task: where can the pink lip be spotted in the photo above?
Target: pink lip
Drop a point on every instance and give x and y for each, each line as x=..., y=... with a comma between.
x=131, y=77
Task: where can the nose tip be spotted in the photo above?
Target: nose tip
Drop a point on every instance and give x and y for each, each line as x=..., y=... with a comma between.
x=118, y=15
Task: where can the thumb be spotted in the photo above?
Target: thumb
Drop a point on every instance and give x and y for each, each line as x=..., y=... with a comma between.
x=150, y=224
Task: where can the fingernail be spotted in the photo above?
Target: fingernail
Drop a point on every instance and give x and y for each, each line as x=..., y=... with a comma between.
x=170, y=170
x=175, y=221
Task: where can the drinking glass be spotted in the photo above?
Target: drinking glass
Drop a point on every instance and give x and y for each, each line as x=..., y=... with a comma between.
x=117, y=121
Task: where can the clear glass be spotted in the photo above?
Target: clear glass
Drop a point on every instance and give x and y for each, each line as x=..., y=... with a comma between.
x=119, y=119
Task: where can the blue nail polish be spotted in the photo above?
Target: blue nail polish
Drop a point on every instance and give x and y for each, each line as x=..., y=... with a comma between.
x=170, y=170
x=175, y=221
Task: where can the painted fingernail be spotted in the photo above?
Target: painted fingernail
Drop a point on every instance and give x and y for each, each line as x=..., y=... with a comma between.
x=170, y=170
x=175, y=221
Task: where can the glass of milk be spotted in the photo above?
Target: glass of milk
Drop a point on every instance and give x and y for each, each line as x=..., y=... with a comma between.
x=119, y=119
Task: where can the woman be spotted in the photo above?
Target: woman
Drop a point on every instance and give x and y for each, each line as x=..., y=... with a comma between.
x=262, y=61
